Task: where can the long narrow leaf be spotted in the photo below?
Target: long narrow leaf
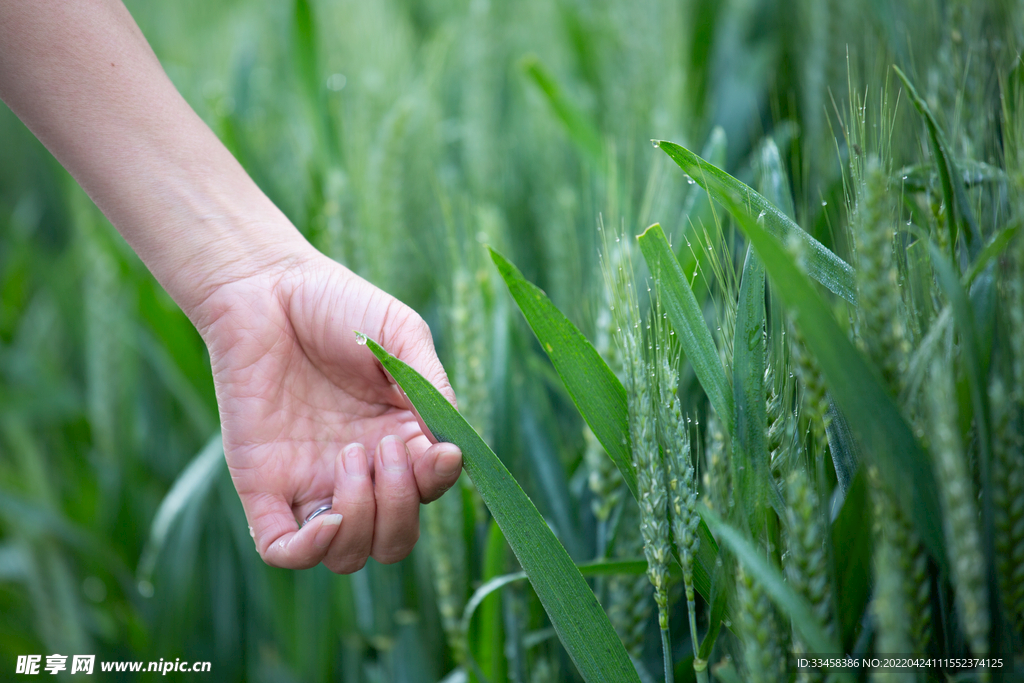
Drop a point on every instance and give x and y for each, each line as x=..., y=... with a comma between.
x=978, y=384
x=811, y=630
x=688, y=322
x=581, y=624
x=189, y=489
x=884, y=435
x=751, y=468
x=852, y=543
x=953, y=189
x=579, y=127
x=741, y=200
x=594, y=388
x=490, y=644
x=636, y=567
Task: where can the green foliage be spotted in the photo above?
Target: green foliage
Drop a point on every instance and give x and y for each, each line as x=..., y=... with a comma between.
x=575, y=614
x=839, y=356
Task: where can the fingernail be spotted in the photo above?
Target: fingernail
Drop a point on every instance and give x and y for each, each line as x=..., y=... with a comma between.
x=328, y=528
x=392, y=454
x=449, y=461
x=353, y=459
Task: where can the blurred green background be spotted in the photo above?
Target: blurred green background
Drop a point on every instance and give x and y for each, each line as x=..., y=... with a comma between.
x=399, y=136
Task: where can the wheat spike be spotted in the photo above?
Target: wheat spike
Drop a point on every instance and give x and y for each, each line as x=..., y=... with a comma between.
x=758, y=629
x=883, y=334
x=807, y=562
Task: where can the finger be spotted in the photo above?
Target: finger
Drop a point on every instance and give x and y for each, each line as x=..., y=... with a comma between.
x=437, y=470
x=424, y=429
x=396, y=526
x=354, y=498
x=280, y=541
x=416, y=348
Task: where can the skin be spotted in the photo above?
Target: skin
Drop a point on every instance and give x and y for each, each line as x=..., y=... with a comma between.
x=308, y=417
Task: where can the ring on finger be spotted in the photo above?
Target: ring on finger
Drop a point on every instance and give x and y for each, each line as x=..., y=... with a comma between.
x=316, y=513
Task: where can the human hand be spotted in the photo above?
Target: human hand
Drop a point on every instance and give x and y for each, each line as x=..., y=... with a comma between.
x=301, y=403
x=303, y=406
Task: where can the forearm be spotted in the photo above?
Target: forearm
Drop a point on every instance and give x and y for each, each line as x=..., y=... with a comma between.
x=82, y=77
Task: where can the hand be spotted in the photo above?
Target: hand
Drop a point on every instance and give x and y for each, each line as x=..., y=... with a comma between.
x=303, y=406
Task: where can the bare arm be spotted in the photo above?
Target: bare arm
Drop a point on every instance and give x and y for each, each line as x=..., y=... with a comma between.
x=308, y=417
x=82, y=77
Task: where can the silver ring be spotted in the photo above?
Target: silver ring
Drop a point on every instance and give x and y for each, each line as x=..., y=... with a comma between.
x=316, y=513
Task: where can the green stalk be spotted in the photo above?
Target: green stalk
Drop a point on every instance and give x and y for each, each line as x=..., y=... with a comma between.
x=666, y=648
x=700, y=666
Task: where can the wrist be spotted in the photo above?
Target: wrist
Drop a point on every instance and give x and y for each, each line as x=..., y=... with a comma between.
x=219, y=241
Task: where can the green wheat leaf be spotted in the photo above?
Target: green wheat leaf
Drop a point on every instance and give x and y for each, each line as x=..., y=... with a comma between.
x=953, y=191
x=581, y=624
x=579, y=127
x=751, y=468
x=688, y=322
x=591, y=384
x=879, y=427
x=852, y=539
x=594, y=388
x=741, y=200
x=489, y=645
x=637, y=567
x=781, y=593
x=189, y=490
x=977, y=381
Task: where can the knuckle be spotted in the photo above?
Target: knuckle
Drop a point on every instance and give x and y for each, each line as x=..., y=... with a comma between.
x=390, y=556
x=349, y=565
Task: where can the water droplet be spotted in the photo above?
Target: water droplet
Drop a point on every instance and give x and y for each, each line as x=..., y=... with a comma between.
x=360, y=339
x=337, y=82
x=824, y=203
x=690, y=181
x=760, y=215
x=656, y=143
x=904, y=177
x=908, y=222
